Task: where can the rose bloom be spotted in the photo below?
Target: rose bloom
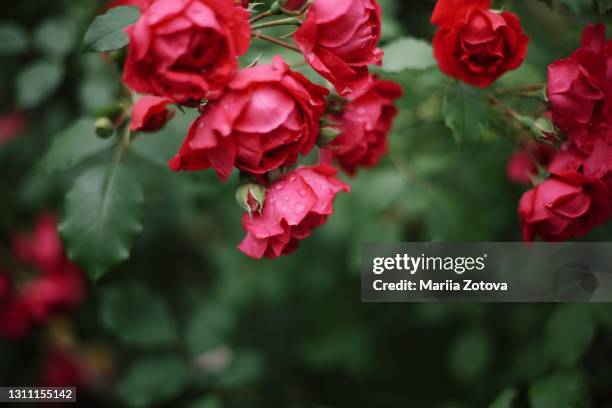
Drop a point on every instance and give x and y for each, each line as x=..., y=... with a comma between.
x=560, y=209
x=58, y=285
x=523, y=164
x=150, y=114
x=63, y=368
x=267, y=116
x=579, y=91
x=475, y=44
x=186, y=50
x=295, y=205
x=364, y=125
x=339, y=39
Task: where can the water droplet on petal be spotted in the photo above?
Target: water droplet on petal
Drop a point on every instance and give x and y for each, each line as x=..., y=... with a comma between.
x=292, y=179
x=287, y=197
x=299, y=208
x=302, y=193
x=278, y=187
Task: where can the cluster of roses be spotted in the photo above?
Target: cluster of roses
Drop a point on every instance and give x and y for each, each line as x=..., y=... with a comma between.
x=260, y=119
x=48, y=283
x=577, y=195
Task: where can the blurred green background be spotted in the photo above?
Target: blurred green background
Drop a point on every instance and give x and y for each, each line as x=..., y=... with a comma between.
x=189, y=321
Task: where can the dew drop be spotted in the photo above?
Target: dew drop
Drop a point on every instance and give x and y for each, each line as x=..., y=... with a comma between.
x=302, y=193
x=299, y=208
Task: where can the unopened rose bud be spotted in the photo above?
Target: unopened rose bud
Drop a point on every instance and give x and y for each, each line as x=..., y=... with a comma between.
x=104, y=127
x=541, y=129
x=251, y=197
x=327, y=135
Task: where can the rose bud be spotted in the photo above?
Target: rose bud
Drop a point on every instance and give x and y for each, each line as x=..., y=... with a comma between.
x=267, y=116
x=559, y=209
x=186, y=50
x=150, y=114
x=475, y=44
x=339, y=39
x=251, y=197
x=365, y=123
x=578, y=92
x=295, y=205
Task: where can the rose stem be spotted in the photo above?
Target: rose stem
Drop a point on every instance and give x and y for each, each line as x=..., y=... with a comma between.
x=277, y=23
x=261, y=16
x=276, y=41
x=520, y=90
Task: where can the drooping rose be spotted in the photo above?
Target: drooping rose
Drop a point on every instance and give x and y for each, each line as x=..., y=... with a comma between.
x=364, y=124
x=523, y=164
x=150, y=114
x=186, y=50
x=579, y=91
x=475, y=44
x=295, y=205
x=560, y=209
x=339, y=39
x=267, y=116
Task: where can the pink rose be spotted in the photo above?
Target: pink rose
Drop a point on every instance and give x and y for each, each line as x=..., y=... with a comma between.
x=267, y=116
x=295, y=205
x=339, y=39
x=186, y=50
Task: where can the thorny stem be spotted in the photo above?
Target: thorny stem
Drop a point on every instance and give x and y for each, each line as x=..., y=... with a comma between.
x=276, y=41
x=261, y=16
x=508, y=110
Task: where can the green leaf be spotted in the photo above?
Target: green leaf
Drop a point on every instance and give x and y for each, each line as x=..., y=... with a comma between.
x=408, y=53
x=564, y=389
x=569, y=334
x=208, y=328
x=153, y=380
x=604, y=5
x=103, y=216
x=465, y=112
x=137, y=316
x=578, y=6
x=505, y=399
x=72, y=146
x=13, y=39
x=106, y=32
x=56, y=36
x=206, y=402
x=470, y=355
x=37, y=82
x=547, y=2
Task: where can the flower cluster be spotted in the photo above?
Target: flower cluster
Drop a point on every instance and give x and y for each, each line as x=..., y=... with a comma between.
x=261, y=119
x=577, y=195
x=55, y=285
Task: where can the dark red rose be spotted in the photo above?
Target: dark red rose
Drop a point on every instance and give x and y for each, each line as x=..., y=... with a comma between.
x=267, y=116
x=186, y=50
x=15, y=320
x=150, y=114
x=63, y=368
x=475, y=44
x=293, y=6
x=523, y=164
x=295, y=205
x=12, y=125
x=560, y=209
x=364, y=124
x=339, y=39
x=579, y=92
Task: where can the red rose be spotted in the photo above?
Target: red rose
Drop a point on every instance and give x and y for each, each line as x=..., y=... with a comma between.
x=267, y=116
x=295, y=205
x=293, y=6
x=558, y=209
x=186, y=50
x=475, y=44
x=63, y=368
x=523, y=164
x=142, y=4
x=43, y=248
x=14, y=319
x=12, y=125
x=150, y=114
x=339, y=38
x=579, y=92
x=364, y=124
